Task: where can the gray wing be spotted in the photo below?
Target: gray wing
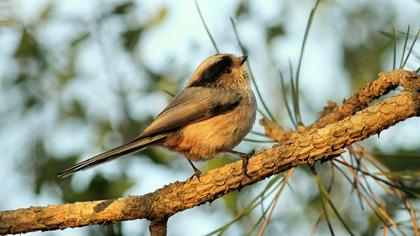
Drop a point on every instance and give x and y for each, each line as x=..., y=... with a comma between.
x=191, y=105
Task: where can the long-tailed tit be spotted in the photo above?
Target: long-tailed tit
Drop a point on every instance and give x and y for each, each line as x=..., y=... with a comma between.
x=211, y=115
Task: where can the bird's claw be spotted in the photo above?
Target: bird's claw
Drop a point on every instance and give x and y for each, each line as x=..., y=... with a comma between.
x=197, y=173
x=245, y=157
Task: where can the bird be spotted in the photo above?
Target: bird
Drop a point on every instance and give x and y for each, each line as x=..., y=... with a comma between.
x=211, y=115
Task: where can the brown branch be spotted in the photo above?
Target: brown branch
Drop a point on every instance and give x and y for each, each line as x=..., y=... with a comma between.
x=360, y=100
x=306, y=147
x=158, y=227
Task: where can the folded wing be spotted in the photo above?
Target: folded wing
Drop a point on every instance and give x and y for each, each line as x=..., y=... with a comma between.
x=192, y=105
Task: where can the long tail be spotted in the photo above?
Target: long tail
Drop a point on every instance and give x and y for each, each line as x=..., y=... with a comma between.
x=133, y=146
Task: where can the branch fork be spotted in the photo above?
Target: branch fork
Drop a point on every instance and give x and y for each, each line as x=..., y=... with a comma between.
x=339, y=126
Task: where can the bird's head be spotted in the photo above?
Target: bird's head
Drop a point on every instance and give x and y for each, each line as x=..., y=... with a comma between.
x=220, y=70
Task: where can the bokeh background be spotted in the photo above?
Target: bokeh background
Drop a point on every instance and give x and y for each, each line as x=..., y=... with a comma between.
x=80, y=77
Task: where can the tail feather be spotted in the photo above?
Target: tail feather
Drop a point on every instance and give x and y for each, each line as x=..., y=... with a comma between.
x=133, y=146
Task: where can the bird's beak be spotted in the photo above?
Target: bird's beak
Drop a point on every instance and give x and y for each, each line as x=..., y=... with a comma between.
x=243, y=59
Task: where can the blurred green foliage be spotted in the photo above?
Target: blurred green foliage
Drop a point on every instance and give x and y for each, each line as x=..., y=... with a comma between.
x=44, y=72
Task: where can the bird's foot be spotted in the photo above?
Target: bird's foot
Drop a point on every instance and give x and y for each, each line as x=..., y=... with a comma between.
x=245, y=157
x=197, y=172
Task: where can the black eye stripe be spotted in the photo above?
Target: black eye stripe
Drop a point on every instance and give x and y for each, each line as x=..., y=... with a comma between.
x=213, y=72
x=217, y=68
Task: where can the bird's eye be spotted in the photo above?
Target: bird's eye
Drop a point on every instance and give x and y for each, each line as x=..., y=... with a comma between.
x=228, y=70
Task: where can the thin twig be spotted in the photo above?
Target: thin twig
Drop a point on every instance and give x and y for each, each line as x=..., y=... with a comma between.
x=411, y=48
x=276, y=199
x=286, y=103
x=394, y=56
x=378, y=214
x=305, y=38
x=326, y=195
x=324, y=207
x=404, y=47
x=377, y=178
x=205, y=26
x=243, y=50
x=275, y=183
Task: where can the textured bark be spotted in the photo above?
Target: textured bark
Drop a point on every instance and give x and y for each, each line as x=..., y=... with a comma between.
x=362, y=98
x=158, y=227
x=326, y=138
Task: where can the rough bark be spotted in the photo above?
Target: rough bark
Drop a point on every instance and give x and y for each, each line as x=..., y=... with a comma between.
x=158, y=227
x=355, y=120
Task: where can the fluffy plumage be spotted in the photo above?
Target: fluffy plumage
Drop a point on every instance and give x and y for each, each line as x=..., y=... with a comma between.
x=211, y=115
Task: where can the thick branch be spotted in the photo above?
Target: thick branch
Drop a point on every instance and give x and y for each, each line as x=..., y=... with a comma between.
x=360, y=100
x=158, y=227
x=306, y=148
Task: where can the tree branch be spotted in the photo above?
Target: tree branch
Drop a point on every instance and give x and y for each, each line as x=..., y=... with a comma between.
x=361, y=99
x=304, y=147
x=158, y=227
